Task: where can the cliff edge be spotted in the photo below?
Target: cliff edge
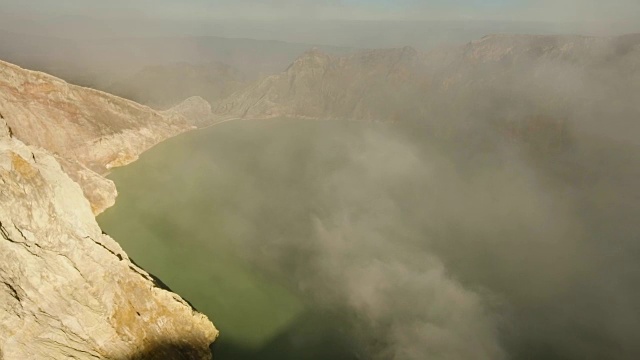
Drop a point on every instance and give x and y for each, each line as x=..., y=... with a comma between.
x=89, y=131
x=66, y=289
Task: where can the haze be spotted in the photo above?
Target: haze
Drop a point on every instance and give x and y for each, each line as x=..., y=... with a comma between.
x=353, y=23
x=442, y=180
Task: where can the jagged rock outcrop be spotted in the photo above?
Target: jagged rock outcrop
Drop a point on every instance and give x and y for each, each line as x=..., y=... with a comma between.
x=88, y=130
x=196, y=110
x=66, y=289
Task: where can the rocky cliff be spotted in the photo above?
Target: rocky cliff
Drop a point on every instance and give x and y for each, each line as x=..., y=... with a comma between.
x=66, y=289
x=526, y=87
x=87, y=130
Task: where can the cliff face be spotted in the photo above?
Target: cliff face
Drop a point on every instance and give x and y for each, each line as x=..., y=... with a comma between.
x=66, y=289
x=87, y=130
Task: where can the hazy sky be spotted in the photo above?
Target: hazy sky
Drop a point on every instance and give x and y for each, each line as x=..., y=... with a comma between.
x=532, y=10
x=328, y=22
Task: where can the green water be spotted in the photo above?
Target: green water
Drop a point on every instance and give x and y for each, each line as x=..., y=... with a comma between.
x=273, y=228
x=189, y=209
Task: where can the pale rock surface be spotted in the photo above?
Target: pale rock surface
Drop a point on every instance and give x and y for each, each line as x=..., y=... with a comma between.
x=67, y=291
x=91, y=131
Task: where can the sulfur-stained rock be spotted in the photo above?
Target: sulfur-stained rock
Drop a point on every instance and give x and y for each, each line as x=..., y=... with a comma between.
x=69, y=291
x=89, y=130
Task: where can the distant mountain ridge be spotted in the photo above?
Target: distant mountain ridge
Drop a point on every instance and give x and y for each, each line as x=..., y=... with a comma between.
x=163, y=86
x=319, y=85
x=516, y=82
x=105, y=62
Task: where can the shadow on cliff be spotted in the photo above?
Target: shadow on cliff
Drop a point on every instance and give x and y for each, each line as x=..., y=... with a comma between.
x=312, y=337
x=303, y=339
x=315, y=335
x=170, y=351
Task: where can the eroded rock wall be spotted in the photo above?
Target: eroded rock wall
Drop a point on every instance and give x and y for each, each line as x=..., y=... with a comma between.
x=66, y=289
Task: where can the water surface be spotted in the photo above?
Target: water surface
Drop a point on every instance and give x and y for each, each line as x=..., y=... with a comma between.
x=189, y=209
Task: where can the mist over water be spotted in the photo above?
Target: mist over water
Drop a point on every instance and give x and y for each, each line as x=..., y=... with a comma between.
x=495, y=218
x=354, y=240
